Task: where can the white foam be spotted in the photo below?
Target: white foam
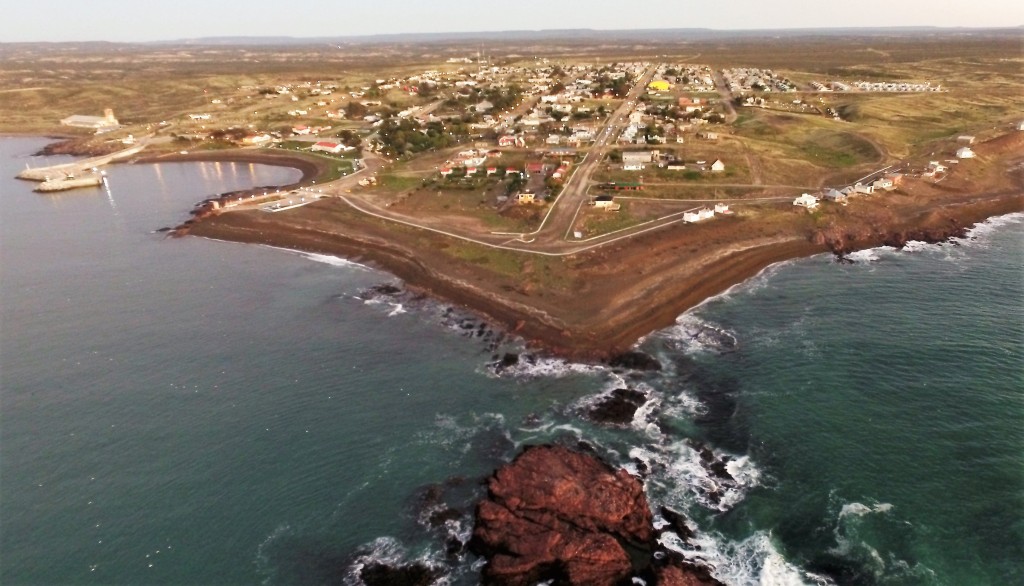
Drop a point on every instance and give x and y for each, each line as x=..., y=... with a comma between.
x=918, y=246
x=396, y=309
x=752, y=561
x=869, y=255
x=262, y=558
x=644, y=419
x=692, y=334
x=755, y=283
x=336, y=261
x=388, y=551
x=979, y=235
x=541, y=367
x=859, y=509
x=686, y=478
x=984, y=229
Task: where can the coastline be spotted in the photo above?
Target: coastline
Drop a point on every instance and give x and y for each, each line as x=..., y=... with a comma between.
x=599, y=303
x=610, y=304
x=623, y=322
x=310, y=168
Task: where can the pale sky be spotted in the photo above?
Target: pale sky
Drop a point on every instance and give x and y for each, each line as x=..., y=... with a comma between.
x=151, y=20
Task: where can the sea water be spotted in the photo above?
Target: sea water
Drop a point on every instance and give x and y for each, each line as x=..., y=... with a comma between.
x=185, y=411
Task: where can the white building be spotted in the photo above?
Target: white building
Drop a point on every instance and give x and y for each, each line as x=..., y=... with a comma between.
x=884, y=183
x=964, y=153
x=104, y=123
x=637, y=157
x=863, y=189
x=807, y=201
x=718, y=165
x=328, y=147
x=698, y=215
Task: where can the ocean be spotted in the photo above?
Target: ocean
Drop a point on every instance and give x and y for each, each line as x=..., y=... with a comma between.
x=186, y=411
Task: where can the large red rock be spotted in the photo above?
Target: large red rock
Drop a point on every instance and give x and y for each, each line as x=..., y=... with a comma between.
x=554, y=513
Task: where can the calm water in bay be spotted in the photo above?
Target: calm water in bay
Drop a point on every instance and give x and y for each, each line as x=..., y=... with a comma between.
x=184, y=411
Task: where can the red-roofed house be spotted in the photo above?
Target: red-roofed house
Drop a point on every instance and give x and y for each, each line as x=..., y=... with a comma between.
x=327, y=146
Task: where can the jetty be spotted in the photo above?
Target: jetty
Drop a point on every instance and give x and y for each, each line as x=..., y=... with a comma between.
x=71, y=182
x=76, y=168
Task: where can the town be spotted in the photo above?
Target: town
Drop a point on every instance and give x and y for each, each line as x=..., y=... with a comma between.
x=546, y=155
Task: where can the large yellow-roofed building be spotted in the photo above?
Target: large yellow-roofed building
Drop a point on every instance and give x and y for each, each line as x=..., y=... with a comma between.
x=659, y=85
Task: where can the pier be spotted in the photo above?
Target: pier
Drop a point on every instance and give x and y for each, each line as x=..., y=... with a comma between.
x=76, y=168
x=70, y=182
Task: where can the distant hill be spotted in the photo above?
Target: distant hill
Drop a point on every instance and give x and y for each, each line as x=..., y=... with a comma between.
x=570, y=35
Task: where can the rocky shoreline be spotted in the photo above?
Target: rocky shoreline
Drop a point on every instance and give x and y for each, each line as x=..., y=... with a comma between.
x=601, y=318
x=601, y=337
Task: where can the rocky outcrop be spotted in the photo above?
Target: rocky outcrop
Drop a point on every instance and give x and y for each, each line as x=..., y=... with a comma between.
x=634, y=360
x=417, y=574
x=618, y=407
x=842, y=240
x=557, y=514
x=561, y=515
x=80, y=146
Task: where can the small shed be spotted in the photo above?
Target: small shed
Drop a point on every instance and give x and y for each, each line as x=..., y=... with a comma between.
x=607, y=203
x=836, y=196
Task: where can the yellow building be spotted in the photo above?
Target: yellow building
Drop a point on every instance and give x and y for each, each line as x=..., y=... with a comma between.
x=659, y=85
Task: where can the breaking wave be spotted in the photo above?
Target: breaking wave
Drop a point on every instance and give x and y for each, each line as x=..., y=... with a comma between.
x=752, y=561
x=859, y=510
x=531, y=366
x=336, y=261
x=692, y=334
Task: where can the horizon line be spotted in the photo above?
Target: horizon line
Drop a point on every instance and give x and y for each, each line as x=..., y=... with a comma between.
x=554, y=32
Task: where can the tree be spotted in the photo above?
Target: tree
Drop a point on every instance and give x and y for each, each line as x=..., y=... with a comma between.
x=355, y=110
x=515, y=184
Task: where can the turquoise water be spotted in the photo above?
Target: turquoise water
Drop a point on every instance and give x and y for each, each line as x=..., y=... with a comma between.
x=183, y=411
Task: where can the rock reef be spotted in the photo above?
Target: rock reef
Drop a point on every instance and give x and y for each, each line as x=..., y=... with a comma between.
x=555, y=514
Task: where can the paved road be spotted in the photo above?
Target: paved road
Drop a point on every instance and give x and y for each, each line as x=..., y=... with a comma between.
x=560, y=217
x=727, y=98
x=425, y=112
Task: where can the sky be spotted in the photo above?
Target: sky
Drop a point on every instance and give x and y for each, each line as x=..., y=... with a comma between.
x=153, y=20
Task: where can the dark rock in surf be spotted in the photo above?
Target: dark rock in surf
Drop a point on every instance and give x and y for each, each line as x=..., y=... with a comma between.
x=618, y=407
x=635, y=361
x=386, y=289
x=377, y=574
x=678, y=524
